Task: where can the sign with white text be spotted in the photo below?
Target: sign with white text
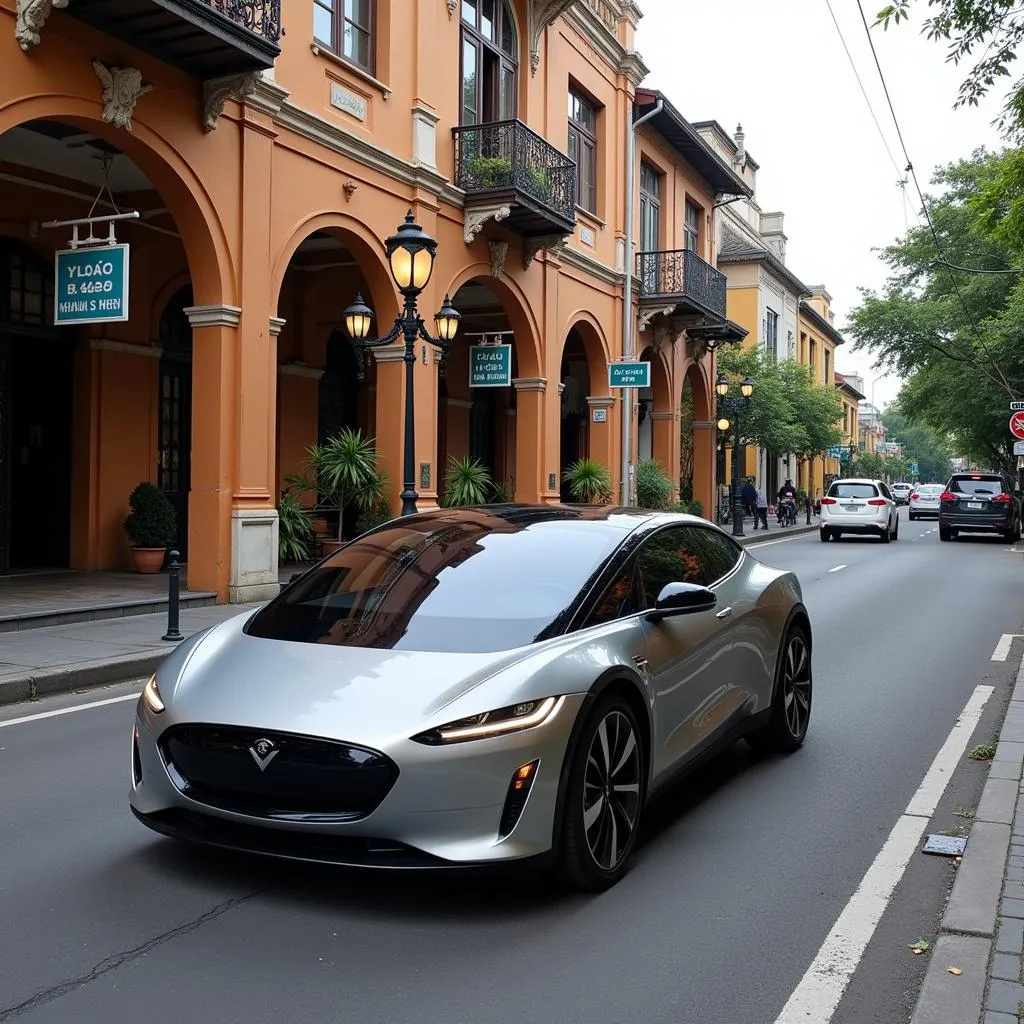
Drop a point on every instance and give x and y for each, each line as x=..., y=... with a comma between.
x=91, y=285
x=1017, y=407
x=490, y=366
x=630, y=375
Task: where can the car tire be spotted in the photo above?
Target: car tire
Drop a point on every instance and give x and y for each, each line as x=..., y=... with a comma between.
x=886, y=536
x=896, y=532
x=825, y=534
x=791, y=698
x=911, y=516
x=944, y=533
x=593, y=855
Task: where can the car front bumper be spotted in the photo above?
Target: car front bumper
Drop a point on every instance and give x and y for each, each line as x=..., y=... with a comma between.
x=443, y=810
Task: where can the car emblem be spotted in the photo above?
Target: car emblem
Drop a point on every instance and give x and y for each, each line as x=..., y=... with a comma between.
x=263, y=752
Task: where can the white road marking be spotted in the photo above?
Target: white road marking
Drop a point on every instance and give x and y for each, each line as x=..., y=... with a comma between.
x=836, y=568
x=68, y=711
x=1002, y=650
x=781, y=540
x=816, y=997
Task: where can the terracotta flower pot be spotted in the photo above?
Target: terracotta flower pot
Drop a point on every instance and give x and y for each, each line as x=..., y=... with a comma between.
x=148, y=560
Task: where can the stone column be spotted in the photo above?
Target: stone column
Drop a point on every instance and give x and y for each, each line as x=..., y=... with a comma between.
x=532, y=476
x=604, y=443
x=704, y=440
x=389, y=417
x=665, y=446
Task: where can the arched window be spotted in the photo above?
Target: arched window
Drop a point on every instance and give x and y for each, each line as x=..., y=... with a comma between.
x=490, y=62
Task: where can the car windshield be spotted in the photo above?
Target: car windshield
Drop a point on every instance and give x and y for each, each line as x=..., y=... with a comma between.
x=848, y=490
x=976, y=485
x=471, y=585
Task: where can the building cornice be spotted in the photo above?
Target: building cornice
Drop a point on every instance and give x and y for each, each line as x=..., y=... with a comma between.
x=810, y=313
x=213, y=316
x=589, y=265
x=596, y=33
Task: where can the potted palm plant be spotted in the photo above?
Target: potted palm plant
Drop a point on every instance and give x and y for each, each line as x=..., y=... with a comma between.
x=345, y=474
x=466, y=482
x=295, y=529
x=589, y=482
x=151, y=526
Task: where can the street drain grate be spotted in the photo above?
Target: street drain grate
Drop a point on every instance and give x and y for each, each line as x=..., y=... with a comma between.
x=946, y=846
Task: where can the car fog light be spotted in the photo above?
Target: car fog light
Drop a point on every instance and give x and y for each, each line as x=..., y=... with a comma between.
x=515, y=800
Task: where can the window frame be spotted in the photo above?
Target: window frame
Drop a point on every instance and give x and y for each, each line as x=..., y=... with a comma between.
x=772, y=319
x=585, y=142
x=689, y=205
x=335, y=10
x=502, y=60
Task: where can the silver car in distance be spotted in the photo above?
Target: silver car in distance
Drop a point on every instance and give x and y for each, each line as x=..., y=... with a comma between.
x=473, y=686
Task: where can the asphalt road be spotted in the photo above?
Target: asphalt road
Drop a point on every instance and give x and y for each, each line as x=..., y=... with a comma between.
x=742, y=872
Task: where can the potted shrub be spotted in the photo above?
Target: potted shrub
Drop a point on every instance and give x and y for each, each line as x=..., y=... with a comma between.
x=295, y=526
x=490, y=171
x=589, y=482
x=344, y=473
x=466, y=482
x=151, y=526
x=653, y=487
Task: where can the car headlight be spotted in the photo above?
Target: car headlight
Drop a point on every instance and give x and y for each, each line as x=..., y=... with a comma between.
x=151, y=695
x=514, y=718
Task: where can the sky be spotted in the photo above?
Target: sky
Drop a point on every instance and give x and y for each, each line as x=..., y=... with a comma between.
x=778, y=67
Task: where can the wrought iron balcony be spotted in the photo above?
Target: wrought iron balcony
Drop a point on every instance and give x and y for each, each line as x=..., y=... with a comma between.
x=680, y=278
x=207, y=38
x=504, y=163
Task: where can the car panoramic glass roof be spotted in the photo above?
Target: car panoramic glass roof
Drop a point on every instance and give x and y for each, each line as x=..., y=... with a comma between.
x=469, y=585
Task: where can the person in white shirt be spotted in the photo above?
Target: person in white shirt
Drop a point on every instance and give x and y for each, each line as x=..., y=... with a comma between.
x=761, y=510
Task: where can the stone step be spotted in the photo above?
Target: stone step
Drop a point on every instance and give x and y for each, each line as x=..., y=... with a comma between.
x=40, y=618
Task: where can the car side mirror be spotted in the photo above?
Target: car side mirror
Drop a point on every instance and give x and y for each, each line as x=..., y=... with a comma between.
x=681, y=599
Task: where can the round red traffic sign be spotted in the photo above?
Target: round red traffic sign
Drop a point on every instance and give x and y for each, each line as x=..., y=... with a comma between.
x=1017, y=425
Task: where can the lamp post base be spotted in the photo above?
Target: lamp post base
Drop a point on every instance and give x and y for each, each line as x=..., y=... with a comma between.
x=409, y=498
x=737, y=520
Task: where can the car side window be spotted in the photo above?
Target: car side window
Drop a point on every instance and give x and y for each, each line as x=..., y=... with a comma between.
x=718, y=553
x=669, y=556
x=885, y=491
x=618, y=600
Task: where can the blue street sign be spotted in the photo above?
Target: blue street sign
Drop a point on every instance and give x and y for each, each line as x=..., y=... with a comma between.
x=913, y=467
x=490, y=366
x=91, y=285
x=630, y=375
x=835, y=451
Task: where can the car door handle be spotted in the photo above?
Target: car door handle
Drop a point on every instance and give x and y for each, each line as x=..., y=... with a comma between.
x=724, y=613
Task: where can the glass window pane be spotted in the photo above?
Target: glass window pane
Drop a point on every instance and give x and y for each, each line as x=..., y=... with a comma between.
x=487, y=26
x=359, y=12
x=508, y=32
x=322, y=24
x=469, y=81
x=357, y=45
x=667, y=558
x=508, y=94
x=469, y=12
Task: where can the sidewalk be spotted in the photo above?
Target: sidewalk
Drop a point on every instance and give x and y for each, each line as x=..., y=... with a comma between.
x=982, y=931
x=58, y=659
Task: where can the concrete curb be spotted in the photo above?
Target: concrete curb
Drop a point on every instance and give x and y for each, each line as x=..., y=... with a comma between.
x=42, y=683
x=760, y=536
x=982, y=929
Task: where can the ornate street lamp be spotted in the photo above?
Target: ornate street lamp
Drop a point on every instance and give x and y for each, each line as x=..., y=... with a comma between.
x=734, y=407
x=410, y=252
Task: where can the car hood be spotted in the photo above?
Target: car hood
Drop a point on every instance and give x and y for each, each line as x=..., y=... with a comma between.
x=347, y=692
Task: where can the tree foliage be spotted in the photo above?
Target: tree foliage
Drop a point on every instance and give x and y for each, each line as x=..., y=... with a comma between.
x=788, y=412
x=957, y=337
x=921, y=444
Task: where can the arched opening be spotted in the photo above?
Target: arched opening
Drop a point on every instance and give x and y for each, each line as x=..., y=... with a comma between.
x=84, y=416
x=656, y=415
x=574, y=412
x=174, y=443
x=477, y=409
x=701, y=449
x=324, y=383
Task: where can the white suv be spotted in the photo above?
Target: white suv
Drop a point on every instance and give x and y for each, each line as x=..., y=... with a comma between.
x=859, y=506
x=901, y=493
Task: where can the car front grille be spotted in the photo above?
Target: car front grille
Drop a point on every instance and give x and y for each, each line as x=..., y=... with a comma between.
x=276, y=775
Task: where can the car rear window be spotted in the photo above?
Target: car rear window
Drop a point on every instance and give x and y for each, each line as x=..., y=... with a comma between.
x=979, y=484
x=930, y=489
x=848, y=490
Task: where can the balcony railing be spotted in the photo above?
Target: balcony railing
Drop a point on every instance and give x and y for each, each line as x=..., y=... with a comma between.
x=505, y=159
x=680, y=275
x=206, y=38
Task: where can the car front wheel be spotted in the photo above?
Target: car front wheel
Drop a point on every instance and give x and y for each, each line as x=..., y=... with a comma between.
x=604, y=795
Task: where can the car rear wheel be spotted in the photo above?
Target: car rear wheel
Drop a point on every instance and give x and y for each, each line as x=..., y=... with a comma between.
x=911, y=516
x=603, y=798
x=896, y=531
x=886, y=535
x=791, y=701
x=825, y=534
x=945, y=533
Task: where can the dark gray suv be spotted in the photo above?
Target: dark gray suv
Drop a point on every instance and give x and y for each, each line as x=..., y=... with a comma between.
x=979, y=503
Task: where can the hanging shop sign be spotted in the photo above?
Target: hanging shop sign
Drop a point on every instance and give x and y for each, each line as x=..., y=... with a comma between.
x=490, y=366
x=91, y=285
x=630, y=375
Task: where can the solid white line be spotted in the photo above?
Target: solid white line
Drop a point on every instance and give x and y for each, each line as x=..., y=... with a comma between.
x=781, y=540
x=816, y=997
x=67, y=711
x=1002, y=650
x=836, y=568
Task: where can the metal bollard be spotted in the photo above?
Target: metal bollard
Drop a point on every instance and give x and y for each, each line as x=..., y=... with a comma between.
x=173, y=592
x=807, y=505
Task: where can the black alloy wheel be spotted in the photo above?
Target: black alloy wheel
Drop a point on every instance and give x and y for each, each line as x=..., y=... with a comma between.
x=791, y=701
x=604, y=797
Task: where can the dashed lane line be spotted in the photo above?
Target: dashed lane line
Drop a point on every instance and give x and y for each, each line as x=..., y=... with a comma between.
x=67, y=711
x=836, y=568
x=1002, y=651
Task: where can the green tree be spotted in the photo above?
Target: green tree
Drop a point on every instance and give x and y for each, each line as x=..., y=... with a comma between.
x=921, y=444
x=957, y=338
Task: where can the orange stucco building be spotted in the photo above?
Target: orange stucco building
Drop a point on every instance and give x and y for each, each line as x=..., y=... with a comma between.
x=268, y=159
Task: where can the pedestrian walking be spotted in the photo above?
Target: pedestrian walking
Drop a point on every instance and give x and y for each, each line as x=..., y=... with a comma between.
x=761, y=508
x=749, y=496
